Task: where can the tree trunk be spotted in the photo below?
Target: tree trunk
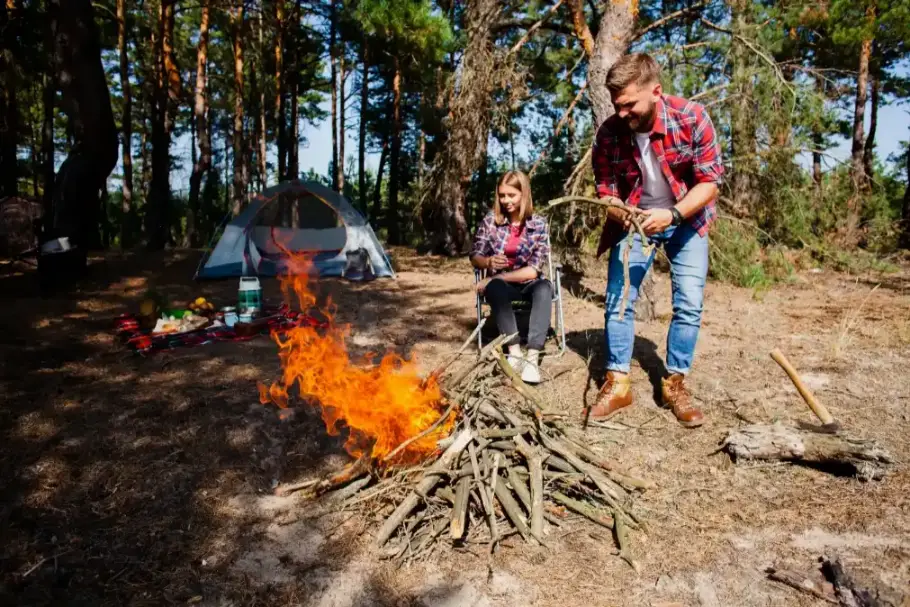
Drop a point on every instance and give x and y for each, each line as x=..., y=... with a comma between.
x=818, y=140
x=294, y=147
x=280, y=92
x=239, y=200
x=905, y=208
x=158, y=204
x=126, y=127
x=869, y=146
x=334, y=87
x=34, y=160
x=341, y=132
x=468, y=129
x=377, y=188
x=9, y=110
x=262, y=152
x=742, y=115
x=48, y=156
x=362, y=144
x=393, y=221
x=617, y=26
x=200, y=114
x=421, y=158
x=87, y=103
x=817, y=160
x=857, y=170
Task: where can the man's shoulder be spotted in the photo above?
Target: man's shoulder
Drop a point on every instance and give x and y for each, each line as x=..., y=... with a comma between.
x=612, y=127
x=682, y=107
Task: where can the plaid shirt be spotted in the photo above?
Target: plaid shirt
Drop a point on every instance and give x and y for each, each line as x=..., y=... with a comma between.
x=685, y=144
x=533, y=248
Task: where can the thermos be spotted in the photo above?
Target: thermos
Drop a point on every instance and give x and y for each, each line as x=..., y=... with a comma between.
x=249, y=297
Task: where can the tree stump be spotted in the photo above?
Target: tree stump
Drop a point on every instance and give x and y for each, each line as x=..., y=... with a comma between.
x=865, y=459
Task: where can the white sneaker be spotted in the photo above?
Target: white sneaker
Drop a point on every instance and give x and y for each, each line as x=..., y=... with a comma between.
x=531, y=373
x=516, y=362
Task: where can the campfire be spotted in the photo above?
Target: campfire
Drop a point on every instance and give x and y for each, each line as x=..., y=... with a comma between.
x=446, y=452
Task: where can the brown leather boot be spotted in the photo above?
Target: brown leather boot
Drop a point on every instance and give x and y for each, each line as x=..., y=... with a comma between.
x=615, y=394
x=676, y=396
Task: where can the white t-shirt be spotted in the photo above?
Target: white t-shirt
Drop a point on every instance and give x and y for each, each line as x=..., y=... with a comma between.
x=656, y=192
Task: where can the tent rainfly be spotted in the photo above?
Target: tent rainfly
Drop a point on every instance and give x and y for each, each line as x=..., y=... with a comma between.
x=301, y=217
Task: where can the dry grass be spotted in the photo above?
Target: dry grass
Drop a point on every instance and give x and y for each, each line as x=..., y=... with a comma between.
x=147, y=481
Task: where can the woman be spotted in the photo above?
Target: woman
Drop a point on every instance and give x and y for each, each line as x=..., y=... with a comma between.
x=512, y=246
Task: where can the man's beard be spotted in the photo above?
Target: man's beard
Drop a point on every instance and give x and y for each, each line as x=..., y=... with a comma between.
x=645, y=121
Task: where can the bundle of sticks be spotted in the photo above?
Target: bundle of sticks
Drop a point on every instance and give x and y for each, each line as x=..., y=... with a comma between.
x=504, y=470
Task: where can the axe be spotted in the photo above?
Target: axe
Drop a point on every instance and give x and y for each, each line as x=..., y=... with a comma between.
x=829, y=425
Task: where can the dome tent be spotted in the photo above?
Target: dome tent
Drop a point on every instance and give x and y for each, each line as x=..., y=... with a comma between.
x=301, y=217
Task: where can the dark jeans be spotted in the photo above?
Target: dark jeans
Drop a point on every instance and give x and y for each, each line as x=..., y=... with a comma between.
x=500, y=295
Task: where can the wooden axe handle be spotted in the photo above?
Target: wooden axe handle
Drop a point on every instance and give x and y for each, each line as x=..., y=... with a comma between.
x=817, y=408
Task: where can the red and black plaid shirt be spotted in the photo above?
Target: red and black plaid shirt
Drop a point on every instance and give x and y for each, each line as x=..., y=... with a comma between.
x=685, y=144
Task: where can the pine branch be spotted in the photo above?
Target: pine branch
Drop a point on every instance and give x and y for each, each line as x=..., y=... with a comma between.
x=770, y=61
x=562, y=122
x=534, y=27
x=667, y=18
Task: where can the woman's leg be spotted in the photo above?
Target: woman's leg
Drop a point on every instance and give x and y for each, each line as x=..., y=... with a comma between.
x=540, y=294
x=500, y=296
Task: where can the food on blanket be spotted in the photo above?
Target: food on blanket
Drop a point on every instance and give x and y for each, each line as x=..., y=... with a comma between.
x=189, y=322
x=202, y=305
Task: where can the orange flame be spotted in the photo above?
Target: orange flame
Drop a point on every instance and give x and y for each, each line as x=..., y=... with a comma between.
x=382, y=405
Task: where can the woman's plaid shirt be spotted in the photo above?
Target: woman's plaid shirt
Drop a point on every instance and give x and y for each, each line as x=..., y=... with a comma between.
x=683, y=140
x=533, y=249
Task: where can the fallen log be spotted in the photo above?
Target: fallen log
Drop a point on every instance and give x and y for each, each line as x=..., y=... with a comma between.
x=776, y=442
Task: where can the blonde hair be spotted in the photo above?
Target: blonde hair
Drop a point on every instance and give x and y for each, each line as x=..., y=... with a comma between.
x=521, y=182
x=635, y=68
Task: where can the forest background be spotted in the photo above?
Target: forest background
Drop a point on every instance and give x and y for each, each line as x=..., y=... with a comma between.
x=143, y=123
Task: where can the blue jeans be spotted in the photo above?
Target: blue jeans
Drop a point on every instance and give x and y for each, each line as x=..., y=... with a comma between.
x=688, y=255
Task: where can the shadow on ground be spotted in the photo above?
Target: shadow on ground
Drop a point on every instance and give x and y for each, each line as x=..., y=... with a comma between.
x=120, y=474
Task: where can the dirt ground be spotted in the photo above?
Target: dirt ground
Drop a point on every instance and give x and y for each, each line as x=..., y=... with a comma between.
x=147, y=481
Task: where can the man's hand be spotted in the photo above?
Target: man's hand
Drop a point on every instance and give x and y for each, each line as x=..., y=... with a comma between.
x=656, y=221
x=499, y=262
x=482, y=285
x=619, y=215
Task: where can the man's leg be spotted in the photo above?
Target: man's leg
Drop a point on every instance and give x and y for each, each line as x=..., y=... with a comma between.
x=688, y=255
x=619, y=335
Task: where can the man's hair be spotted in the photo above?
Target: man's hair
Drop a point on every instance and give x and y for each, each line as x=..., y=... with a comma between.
x=635, y=68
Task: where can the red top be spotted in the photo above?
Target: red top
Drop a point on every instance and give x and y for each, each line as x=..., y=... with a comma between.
x=512, y=244
x=686, y=146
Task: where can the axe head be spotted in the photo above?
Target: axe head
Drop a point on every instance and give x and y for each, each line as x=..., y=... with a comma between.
x=832, y=428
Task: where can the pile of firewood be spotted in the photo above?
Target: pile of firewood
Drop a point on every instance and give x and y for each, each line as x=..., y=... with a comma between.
x=504, y=470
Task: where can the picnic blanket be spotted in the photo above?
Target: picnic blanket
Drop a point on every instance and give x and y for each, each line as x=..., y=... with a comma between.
x=280, y=320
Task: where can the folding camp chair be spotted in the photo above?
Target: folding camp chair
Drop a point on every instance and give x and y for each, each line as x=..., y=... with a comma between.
x=554, y=275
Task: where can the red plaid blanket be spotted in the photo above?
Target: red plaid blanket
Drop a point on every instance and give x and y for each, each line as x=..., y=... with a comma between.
x=281, y=320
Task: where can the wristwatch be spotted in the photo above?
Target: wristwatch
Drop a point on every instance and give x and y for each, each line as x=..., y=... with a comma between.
x=677, y=216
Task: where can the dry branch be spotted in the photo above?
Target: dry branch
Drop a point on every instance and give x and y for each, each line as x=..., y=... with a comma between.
x=799, y=582
x=429, y=481
x=499, y=473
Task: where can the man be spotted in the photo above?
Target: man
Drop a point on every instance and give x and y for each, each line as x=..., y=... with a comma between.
x=660, y=154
